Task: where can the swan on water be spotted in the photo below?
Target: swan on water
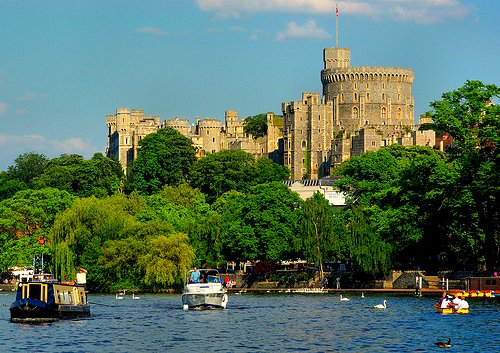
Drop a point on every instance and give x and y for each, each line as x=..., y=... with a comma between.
x=362, y=294
x=135, y=297
x=444, y=344
x=381, y=306
x=343, y=298
x=118, y=297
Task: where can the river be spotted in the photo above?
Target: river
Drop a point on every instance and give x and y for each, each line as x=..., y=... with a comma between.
x=260, y=323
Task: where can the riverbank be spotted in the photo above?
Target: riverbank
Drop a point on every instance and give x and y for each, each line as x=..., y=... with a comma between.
x=408, y=291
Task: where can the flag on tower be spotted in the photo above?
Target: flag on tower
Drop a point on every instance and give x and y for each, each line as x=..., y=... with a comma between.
x=337, y=10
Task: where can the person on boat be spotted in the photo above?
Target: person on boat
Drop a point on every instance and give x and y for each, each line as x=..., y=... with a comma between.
x=445, y=303
x=226, y=281
x=440, y=301
x=456, y=300
x=463, y=304
x=81, y=277
x=195, y=275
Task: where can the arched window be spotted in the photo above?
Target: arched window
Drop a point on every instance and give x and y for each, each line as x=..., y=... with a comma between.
x=304, y=144
x=355, y=113
x=355, y=97
x=400, y=113
x=383, y=96
x=384, y=113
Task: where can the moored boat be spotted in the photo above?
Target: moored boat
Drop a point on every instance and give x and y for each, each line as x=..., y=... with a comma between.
x=47, y=301
x=206, y=293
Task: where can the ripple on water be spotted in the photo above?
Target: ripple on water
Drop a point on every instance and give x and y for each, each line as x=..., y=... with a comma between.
x=260, y=323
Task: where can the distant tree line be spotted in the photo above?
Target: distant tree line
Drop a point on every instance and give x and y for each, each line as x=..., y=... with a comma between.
x=406, y=207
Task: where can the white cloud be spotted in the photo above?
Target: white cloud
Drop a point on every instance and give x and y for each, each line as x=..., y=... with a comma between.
x=308, y=30
x=19, y=144
x=418, y=11
x=29, y=96
x=152, y=30
x=4, y=107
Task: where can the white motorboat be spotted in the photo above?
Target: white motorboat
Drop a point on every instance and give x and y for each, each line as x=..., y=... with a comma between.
x=207, y=293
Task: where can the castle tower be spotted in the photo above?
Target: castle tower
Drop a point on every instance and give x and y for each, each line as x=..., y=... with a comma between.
x=307, y=135
x=379, y=97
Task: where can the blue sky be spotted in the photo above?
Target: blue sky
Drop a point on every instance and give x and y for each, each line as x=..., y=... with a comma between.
x=66, y=64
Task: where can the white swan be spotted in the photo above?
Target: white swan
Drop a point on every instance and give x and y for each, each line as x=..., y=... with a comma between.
x=381, y=306
x=134, y=297
x=118, y=297
x=362, y=294
x=344, y=299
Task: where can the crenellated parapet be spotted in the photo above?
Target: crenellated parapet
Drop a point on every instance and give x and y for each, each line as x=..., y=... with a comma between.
x=367, y=73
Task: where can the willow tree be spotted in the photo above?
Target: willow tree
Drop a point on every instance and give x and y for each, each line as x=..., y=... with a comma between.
x=319, y=230
x=368, y=252
x=80, y=232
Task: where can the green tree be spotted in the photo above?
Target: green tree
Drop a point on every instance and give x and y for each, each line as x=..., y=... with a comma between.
x=471, y=117
x=25, y=219
x=165, y=158
x=320, y=231
x=259, y=225
x=369, y=253
x=228, y=170
x=255, y=125
x=27, y=167
x=99, y=176
x=9, y=187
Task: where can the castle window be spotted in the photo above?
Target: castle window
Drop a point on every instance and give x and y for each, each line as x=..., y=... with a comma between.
x=367, y=85
x=355, y=114
x=355, y=86
x=383, y=85
x=304, y=144
x=373, y=143
x=383, y=113
x=355, y=97
x=213, y=140
x=399, y=97
x=367, y=96
x=400, y=114
x=383, y=96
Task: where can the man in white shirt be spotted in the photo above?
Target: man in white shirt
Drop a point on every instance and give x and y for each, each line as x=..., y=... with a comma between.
x=463, y=304
x=445, y=303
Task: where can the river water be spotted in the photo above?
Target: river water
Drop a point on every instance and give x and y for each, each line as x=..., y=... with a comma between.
x=260, y=323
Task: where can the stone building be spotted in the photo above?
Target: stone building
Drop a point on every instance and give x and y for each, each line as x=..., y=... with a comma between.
x=362, y=109
x=127, y=127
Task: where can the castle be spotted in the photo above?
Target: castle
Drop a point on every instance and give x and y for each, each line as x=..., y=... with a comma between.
x=361, y=109
x=126, y=128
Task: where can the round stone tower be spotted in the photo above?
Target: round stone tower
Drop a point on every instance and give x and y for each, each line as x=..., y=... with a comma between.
x=374, y=96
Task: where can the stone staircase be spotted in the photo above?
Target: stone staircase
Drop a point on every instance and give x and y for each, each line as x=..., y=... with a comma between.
x=434, y=282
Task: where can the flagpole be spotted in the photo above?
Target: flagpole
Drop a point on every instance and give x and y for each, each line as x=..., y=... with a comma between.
x=337, y=26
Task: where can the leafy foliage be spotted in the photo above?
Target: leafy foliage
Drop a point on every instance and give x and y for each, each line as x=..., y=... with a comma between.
x=228, y=170
x=165, y=158
x=256, y=125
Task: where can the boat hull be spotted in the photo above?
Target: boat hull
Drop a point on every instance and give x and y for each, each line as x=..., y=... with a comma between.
x=205, y=300
x=452, y=311
x=40, y=301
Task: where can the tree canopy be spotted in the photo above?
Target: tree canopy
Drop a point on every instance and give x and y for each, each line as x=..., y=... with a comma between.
x=256, y=125
x=164, y=158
